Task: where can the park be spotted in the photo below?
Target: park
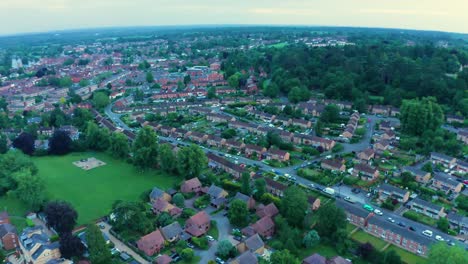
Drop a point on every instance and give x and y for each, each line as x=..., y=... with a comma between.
x=91, y=192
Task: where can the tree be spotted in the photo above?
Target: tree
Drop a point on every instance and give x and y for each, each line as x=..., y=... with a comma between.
x=391, y=257
x=3, y=144
x=81, y=117
x=294, y=206
x=100, y=100
x=211, y=93
x=131, y=216
x=11, y=163
x=419, y=116
x=71, y=246
x=298, y=94
x=97, y=138
x=228, y=133
x=311, y=239
x=25, y=143
x=245, y=188
x=149, y=77
x=145, y=148
x=30, y=189
x=60, y=143
x=283, y=257
x=443, y=224
x=61, y=216
x=330, y=114
x=191, y=161
x=167, y=159
x=187, y=79
x=224, y=249
x=271, y=90
x=366, y=250
x=99, y=253
x=233, y=80
x=179, y=200
x=118, y=146
x=260, y=188
x=238, y=213
x=187, y=254
x=440, y=253
x=427, y=167
x=163, y=219
x=330, y=219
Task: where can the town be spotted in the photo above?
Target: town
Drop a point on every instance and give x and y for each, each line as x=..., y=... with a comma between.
x=211, y=148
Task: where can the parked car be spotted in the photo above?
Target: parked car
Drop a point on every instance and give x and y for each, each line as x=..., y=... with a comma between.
x=427, y=233
x=190, y=245
x=210, y=238
x=219, y=261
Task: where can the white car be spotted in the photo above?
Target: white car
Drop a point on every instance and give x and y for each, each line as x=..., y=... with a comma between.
x=427, y=233
x=378, y=212
x=391, y=220
x=439, y=238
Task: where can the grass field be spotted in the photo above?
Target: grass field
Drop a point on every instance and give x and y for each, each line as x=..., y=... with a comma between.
x=363, y=237
x=408, y=257
x=92, y=192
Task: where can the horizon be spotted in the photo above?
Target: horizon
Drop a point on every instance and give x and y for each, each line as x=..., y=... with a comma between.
x=64, y=15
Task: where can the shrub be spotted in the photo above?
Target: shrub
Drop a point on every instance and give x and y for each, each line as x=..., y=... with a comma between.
x=200, y=242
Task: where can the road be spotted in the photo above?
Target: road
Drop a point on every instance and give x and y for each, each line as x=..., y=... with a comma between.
x=291, y=170
x=120, y=245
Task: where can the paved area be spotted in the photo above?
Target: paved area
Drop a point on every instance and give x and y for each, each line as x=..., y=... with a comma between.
x=39, y=222
x=120, y=245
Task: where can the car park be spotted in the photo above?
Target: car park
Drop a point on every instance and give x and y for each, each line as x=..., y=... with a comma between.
x=427, y=233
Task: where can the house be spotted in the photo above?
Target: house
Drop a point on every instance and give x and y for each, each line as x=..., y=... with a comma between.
x=41, y=144
x=333, y=164
x=277, y=154
x=4, y=218
x=388, y=135
x=455, y=119
x=198, y=224
x=386, y=126
x=462, y=167
x=164, y=259
x=269, y=210
x=253, y=244
x=338, y=260
x=315, y=259
x=275, y=187
x=313, y=202
x=151, y=243
x=444, y=160
x=283, y=121
x=419, y=175
x=217, y=196
x=245, y=258
x=231, y=144
x=427, y=208
x=380, y=110
x=458, y=221
x=157, y=193
x=248, y=200
x=392, y=192
x=162, y=206
x=382, y=145
x=215, y=141
x=37, y=247
x=219, y=118
x=264, y=227
x=172, y=232
x=366, y=155
x=191, y=186
x=254, y=150
x=446, y=183
x=462, y=135
x=224, y=164
x=366, y=172
x=8, y=237
x=301, y=123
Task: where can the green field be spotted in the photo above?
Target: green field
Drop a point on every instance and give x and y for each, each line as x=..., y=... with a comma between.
x=407, y=256
x=363, y=237
x=92, y=192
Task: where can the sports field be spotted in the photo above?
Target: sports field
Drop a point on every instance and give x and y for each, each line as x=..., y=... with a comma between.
x=92, y=192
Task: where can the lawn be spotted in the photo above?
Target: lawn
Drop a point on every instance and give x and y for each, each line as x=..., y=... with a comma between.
x=408, y=257
x=92, y=192
x=363, y=237
x=16, y=210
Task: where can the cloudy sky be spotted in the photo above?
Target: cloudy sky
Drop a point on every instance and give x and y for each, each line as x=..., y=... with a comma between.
x=18, y=16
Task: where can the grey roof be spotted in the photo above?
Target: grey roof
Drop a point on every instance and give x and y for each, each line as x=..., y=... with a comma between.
x=215, y=191
x=172, y=230
x=445, y=178
x=6, y=228
x=156, y=193
x=441, y=156
x=392, y=189
x=361, y=212
x=43, y=248
x=247, y=258
x=315, y=259
x=427, y=204
x=254, y=242
x=242, y=197
x=414, y=170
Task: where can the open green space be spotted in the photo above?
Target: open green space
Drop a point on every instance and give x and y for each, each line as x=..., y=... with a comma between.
x=363, y=237
x=408, y=257
x=92, y=192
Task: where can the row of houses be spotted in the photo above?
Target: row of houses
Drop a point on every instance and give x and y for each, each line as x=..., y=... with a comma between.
x=351, y=126
x=449, y=162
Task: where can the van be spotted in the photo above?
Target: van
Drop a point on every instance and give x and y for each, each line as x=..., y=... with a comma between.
x=329, y=191
x=427, y=233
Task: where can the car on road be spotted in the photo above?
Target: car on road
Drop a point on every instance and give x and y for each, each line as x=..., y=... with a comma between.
x=355, y=190
x=368, y=207
x=412, y=228
x=450, y=243
x=348, y=199
x=219, y=261
x=402, y=224
x=439, y=238
x=312, y=185
x=378, y=212
x=102, y=226
x=427, y=233
x=369, y=195
x=391, y=220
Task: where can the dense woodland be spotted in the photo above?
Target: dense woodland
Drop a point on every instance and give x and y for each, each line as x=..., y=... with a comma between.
x=373, y=72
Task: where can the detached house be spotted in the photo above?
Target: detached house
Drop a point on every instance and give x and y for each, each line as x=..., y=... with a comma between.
x=446, y=183
x=245, y=258
x=157, y=193
x=8, y=237
x=217, y=195
x=191, y=186
x=366, y=155
x=265, y=227
x=37, y=247
x=162, y=206
x=432, y=210
x=269, y=210
x=392, y=192
x=198, y=224
x=253, y=244
x=151, y=243
x=365, y=172
x=172, y=232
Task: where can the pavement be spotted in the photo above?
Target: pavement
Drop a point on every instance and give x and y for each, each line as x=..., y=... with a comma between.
x=120, y=245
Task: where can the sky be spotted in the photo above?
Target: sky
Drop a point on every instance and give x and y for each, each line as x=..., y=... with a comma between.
x=22, y=16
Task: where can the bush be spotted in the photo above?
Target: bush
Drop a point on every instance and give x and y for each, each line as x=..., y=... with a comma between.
x=188, y=212
x=187, y=254
x=29, y=222
x=200, y=242
x=350, y=180
x=411, y=215
x=202, y=201
x=231, y=186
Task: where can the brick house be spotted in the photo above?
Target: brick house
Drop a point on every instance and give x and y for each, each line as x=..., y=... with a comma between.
x=8, y=237
x=265, y=227
x=301, y=123
x=419, y=175
x=231, y=144
x=253, y=244
x=151, y=243
x=254, y=150
x=365, y=172
x=392, y=192
x=198, y=224
x=4, y=218
x=382, y=145
x=162, y=206
x=432, y=210
x=275, y=187
x=366, y=155
x=172, y=232
x=446, y=183
x=215, y=161
x=245, y=258
x=191, y=186
x=277, y=154
x=333, y=164
x=444, y=160
x=215, y=141
x=157, y=193
x=269, y=210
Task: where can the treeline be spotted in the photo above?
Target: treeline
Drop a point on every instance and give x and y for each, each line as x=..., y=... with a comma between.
x=369, y=73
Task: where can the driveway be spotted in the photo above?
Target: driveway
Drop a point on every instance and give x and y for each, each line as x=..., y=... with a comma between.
x=120, y=245
x=224, y=228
